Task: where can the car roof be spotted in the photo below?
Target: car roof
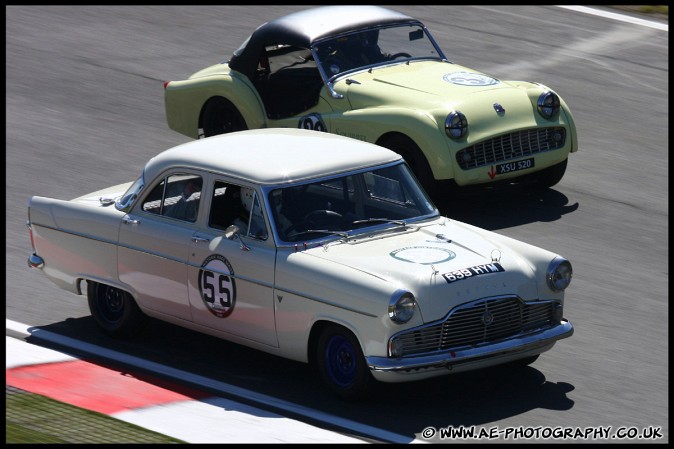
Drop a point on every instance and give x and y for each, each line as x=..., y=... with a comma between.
x=304, y=27
x=272, y=155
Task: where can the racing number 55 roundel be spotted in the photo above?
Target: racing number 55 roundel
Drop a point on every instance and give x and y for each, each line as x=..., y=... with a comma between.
x=216, y=285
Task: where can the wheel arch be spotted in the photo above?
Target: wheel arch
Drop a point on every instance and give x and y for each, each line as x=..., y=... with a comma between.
x=317, y=329
x=238, y=92
x=377, y=124
x=83, y=281
x=116, y=312
x=82, y=284
x=413, y=155
x=185, y=101
x=340, y=361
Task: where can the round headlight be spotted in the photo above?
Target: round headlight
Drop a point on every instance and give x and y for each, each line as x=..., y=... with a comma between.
x=401, y=307
x=456, y=125
x=548, y=104
x=559, y=274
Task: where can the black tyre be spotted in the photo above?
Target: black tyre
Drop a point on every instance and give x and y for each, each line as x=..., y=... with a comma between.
x=114, y=310
x=410, y=151
x=552, y=175
x=525, y=361
x=220, y=116
x=341, y=363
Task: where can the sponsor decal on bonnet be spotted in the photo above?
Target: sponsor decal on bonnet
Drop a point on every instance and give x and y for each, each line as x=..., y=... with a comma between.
x=424, y=255
x=470, y=79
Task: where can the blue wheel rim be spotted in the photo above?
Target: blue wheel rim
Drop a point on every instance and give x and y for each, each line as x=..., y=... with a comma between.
x=341, y=361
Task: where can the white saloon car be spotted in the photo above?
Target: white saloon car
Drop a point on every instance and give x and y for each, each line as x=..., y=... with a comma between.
x=311, y=246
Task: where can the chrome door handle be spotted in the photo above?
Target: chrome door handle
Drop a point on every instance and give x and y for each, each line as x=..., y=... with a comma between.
x=200, y=239
x=130, y=221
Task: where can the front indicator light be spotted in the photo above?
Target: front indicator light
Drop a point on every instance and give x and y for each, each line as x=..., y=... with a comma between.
x=396, y=348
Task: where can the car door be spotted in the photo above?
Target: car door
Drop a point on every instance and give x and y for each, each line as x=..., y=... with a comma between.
x=291, y=88
x=231, y=280
x=154, y=241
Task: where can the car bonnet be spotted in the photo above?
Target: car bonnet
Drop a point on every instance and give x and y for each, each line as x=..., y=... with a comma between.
x=446, y=84
x=444, y=265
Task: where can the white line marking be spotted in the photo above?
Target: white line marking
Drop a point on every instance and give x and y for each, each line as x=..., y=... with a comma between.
x=207, y=383
x=616, y=16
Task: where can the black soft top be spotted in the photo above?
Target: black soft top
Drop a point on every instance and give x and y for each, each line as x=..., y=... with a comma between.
x=302, y=28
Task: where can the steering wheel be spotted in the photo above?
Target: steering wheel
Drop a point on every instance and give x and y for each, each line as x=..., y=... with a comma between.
x=337, y=61
x=322, y=217
x=314, y=219
x=399, y=55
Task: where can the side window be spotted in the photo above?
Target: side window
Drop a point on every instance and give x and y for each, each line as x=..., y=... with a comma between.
x=236, y=205
x=384, y=188
x=176, y=196
x=153, y=201
x=257, y=227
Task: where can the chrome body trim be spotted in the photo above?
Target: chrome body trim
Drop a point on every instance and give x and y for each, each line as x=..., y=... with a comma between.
x=447, y=359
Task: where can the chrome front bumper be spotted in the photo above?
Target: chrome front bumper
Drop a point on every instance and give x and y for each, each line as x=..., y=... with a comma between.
x=506, y=349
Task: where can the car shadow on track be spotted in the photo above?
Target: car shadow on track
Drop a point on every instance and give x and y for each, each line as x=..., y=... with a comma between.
x=477, y=398
x=505, y=208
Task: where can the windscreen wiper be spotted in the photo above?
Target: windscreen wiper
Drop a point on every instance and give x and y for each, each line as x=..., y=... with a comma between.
x=381, y=220
x=322, y=231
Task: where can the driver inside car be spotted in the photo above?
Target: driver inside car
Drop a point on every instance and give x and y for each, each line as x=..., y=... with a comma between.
x=250, y=220
x=352, y=51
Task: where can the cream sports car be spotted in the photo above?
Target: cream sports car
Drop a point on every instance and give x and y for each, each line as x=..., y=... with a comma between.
x=311, y=246
x=379, y=76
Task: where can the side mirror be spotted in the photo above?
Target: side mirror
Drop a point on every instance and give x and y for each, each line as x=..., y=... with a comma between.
x=232, y=232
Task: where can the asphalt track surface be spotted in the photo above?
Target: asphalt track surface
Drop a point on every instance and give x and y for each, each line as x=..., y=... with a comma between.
x=84, y=106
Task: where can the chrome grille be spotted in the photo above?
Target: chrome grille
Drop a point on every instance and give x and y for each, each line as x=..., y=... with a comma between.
x=511, y=146
x=465, y=325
